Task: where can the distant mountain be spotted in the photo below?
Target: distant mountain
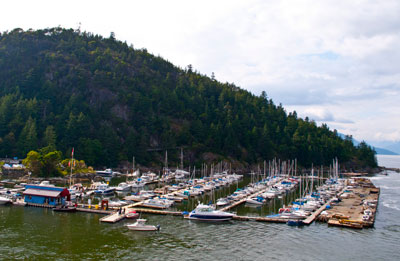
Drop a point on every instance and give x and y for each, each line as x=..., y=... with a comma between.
x=391, y=145
x=66, y=88
x=382, y=151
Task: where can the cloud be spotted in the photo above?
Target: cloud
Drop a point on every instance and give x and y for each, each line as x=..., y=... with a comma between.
x=336, y=60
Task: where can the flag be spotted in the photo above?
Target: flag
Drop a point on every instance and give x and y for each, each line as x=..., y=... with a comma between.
x=69, y=163
x=72, y=153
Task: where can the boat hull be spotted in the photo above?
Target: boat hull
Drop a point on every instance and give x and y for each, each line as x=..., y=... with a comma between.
x=4, y=201
x=147, y=228
x=66, y=209
x=210, y=217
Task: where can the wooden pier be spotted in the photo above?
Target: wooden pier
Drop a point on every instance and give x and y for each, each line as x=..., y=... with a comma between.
x=350, y=211
x=260, y=219
x=158, y=212
x=113, y=218
x=94, y=211
x=236, y=203
x=39, y=205
x=314, y=215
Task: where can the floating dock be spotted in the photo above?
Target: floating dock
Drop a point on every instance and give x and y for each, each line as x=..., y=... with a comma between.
x=113, y=218
x=357, y=208
x=94, y=211
x=314, y=215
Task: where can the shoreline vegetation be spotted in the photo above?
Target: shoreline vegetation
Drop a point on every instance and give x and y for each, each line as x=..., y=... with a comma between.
x=63, y=88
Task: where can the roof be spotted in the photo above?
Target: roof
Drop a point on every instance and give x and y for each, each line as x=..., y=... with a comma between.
x=43, y=193
x=39, y=187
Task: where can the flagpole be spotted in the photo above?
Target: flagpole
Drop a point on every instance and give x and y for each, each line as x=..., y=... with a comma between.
x=72, y=163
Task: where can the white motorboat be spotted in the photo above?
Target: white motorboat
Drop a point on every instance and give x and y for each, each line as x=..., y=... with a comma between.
x=4, y=200
x=157, y=203
x=140, y=225
x=123, y=187
x=103, y=189
x=223, y=202
x=136, y=184
x=117, y=203
x=105, y=173
x=46, y=183
x=208, y=213
x=256, y=201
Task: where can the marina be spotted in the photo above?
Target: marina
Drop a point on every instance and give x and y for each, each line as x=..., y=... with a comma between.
x=317, y=193
x=252, y=227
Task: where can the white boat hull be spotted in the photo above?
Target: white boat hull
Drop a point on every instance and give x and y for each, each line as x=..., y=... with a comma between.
x=145, y=228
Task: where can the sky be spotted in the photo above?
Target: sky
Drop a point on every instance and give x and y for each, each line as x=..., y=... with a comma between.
x=337, y=62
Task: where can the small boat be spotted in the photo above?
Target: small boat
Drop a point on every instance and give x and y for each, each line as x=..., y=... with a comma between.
x=256, y=201
x=223, y=202
x=208, y=213
x=123, y=187
x=295, y=222
x=157, y=203
x=132, y=215
x=117, y=203
x=103, y=189
x=140, y=225
x=64, y=209
x=4, y=200
x=105, y=173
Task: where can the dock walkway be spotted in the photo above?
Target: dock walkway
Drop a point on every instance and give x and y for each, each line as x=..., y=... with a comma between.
x=113, y=218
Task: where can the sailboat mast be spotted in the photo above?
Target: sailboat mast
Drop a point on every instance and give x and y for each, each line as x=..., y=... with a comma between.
x=72, y=163
x=133, y=164
x=181, y=158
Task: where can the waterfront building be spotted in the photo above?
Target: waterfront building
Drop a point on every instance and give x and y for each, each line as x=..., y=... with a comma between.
x=46, y=195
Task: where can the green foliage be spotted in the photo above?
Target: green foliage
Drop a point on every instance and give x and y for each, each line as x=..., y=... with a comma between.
x=49, y=163
x=44, y=163
x=33, y=162
x=64, y=88
x=78, y=166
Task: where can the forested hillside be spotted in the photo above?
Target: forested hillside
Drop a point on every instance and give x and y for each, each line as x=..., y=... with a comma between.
x=67, y=89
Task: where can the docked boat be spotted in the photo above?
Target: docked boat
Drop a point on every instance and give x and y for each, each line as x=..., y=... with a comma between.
x=256, y=200
x=105, y=173
x=140, y=225
x=4, y=200
x=103, y=189
x=117, y=203
x=132, y=215
x=64, y=209
x=295, y=222
x=223, y=202
x=123, y=187
x=157, y=203
x=209, y=213
x=136, y=184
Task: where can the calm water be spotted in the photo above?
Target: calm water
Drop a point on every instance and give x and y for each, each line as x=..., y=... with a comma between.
x=389, y=161
x=35, y=233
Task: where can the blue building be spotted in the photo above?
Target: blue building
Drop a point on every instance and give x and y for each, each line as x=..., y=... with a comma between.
x=46, y=195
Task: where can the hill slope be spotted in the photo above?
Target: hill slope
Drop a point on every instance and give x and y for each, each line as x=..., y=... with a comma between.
x=112, y=102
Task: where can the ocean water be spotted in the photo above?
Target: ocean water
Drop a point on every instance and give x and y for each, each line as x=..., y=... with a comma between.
x=389, y=161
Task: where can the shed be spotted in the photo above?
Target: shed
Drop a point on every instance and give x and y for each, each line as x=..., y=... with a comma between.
x=46, y=195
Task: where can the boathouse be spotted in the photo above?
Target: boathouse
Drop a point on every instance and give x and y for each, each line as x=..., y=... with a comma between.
x=46, y=195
